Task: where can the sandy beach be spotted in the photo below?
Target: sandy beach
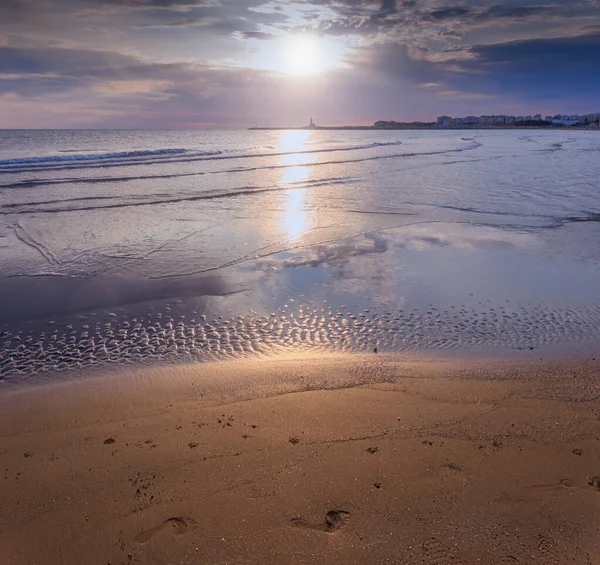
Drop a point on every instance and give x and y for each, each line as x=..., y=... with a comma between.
x=306, y=459
x=228, y=342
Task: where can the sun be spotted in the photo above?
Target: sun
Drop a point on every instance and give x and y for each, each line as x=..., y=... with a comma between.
x=298, y=55
x=302, y=55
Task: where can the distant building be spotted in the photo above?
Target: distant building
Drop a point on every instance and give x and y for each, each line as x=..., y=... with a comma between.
x=531, y=120
x=388, y=124
x=592, y=119
x=564, y=121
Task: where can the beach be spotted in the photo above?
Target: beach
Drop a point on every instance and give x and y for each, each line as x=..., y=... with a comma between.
x=299, y=346
x=306, y=458
x=370, y=338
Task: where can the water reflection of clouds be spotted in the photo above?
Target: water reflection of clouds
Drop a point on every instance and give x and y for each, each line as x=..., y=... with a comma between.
x=386, y=267
x=297, y=217
x=339, y=253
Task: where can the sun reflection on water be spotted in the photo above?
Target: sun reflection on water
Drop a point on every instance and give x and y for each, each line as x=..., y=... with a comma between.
x=298, y=216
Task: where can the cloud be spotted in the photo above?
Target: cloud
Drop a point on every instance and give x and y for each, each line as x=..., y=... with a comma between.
x=170, y=62
x=449, y=13
x=496, y=75
x=257, y=35
x=427, y=23
x=542, y=69
x=573, y=52
x=186, y=22
x=475, y=13
x=150, y=4
x=108, y=85
x=84, y=64
x=35, y=20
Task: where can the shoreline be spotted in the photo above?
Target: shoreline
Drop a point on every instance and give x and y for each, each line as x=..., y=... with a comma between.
x=114, y=371
x=306, y=458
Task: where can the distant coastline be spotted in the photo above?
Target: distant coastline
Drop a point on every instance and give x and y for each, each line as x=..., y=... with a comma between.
x=432, y=126
x=312, y=128
x=559, y=121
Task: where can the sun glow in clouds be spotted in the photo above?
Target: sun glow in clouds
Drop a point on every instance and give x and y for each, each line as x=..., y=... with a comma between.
x=299, y=55
x=302, y=54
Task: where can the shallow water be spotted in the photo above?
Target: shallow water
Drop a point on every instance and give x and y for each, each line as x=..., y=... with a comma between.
x=135, y=247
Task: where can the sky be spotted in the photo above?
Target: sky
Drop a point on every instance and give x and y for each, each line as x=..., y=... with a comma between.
x=240, y=63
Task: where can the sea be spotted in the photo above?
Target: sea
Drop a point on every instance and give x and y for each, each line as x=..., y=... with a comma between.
x=125, y=248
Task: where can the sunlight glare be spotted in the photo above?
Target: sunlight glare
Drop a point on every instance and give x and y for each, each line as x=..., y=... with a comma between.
x=296, y=168
x=299, y=55
x=295, y=218
x=302, y=55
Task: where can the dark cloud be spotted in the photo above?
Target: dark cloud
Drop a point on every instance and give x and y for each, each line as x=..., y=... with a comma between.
x=368, y=18
x=78, y=63
x=388, y=6
x=449, y=13
x=186, y=22
x=563, y=55
x=394, y=59
x=541, y=69
x=527, y=70
x=68, y=16
x=164, y=4
x=551, y=57
x=475, y=13
x=257, y=35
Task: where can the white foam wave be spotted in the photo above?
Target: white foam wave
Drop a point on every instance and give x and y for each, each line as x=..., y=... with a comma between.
x=98, y=156
x=57, y=162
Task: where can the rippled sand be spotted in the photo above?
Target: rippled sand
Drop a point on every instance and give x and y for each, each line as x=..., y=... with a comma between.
x=159, y=336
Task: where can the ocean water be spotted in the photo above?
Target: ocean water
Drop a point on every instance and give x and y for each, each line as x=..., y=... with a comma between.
x=121, y=247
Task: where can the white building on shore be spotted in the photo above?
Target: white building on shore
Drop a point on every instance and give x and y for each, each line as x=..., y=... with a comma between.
x=502, y=120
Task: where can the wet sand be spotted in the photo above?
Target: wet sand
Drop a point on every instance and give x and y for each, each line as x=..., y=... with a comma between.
x=306, y=459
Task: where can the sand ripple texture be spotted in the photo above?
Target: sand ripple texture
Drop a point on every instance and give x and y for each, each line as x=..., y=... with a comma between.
x=163, y=336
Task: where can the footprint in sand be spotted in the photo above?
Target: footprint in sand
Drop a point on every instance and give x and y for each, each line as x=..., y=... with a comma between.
x=508, y=560
x=594, y=481
x=532, y=492
x=436, y=553
x=178, y=525
x=548, y=551
x=334, y=520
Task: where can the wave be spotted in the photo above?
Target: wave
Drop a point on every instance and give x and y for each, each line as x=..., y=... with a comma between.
x=585, y=217
x=85, y=203
x=30, y=183
x=28, y=208
x=131, y=158
x=37, y=206
x=383, y=143
x=95, y=156
x=79, y=150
